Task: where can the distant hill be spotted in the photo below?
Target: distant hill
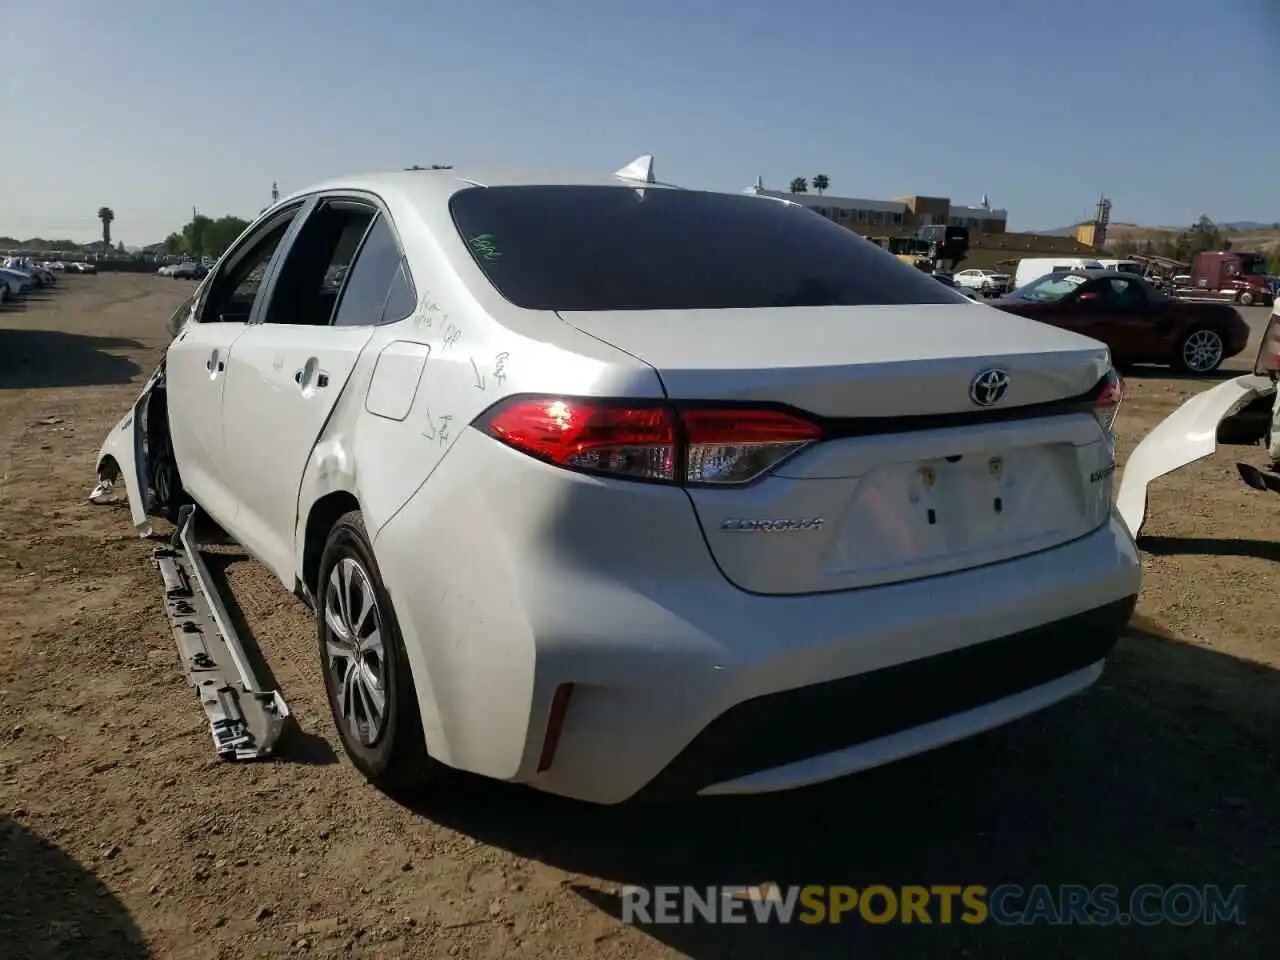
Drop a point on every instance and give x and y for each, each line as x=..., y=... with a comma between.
x=1249, y=225
x=1241, y=226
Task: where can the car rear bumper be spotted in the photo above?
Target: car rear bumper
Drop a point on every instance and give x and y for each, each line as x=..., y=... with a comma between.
x=682, y=683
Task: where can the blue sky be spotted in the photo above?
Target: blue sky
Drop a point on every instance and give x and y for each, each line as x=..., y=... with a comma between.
x=151, y=106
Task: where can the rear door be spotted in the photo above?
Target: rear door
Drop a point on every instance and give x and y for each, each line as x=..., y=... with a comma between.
x=196, y=361
x=287, y=371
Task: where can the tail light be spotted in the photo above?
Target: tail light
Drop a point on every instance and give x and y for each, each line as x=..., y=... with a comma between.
x=650, y=440
x=1268, y=362
x=1106, y=406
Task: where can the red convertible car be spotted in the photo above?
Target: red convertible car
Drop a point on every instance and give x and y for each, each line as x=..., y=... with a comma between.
x=1138, y=322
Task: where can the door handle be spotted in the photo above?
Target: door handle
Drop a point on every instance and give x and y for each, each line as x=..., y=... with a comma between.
x=322, y=378
x=211, y=365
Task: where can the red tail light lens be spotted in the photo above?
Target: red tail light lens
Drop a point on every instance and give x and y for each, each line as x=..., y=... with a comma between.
x=645, y=440
x=1107, y=405
x=1268, y=361
x=626, y=440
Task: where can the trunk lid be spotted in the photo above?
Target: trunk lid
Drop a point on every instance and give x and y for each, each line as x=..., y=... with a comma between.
x=959, y=485
x=853, y=361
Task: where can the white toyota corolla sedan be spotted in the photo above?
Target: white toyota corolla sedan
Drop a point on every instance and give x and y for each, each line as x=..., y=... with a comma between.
x=627, y=491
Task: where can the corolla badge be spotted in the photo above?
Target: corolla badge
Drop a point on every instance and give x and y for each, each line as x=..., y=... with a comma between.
x=772, y=526
x=988, y=387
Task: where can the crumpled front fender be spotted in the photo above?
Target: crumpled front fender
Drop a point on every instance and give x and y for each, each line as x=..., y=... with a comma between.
x=122, y=459
x=1188, y=434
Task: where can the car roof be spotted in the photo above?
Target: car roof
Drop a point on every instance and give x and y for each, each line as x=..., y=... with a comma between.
x=1093, y=273
x=425, y=187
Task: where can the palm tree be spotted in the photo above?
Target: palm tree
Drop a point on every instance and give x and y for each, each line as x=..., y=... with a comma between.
x=821, y=182
x=106, y=215
x=799, y=185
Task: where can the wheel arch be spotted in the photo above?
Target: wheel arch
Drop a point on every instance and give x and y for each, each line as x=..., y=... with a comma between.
x=322, y=515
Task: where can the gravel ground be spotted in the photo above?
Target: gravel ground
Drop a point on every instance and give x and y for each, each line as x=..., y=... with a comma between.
x=121, y=836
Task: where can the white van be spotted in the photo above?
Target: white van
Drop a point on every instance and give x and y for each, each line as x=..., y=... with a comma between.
x=1032, y=268
x=1123, y=266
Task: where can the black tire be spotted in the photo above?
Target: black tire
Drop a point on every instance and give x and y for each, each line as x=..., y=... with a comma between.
x=391, y=754
x=1184, y=348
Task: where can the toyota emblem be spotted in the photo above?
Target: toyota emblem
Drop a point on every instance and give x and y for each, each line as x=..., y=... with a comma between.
x=988, y=387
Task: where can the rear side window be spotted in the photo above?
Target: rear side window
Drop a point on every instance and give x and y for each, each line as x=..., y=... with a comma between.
x=619, y=248
x=377, y=265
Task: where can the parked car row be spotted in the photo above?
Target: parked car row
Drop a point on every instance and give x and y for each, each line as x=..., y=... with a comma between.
x=52, y=266
x=20, y=276
x=184, y=271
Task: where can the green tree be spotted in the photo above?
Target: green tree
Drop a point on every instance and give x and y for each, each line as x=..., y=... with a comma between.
x=1204, y=235
x=173, y=243
x=821, y=182
x=193, y=236
x=221, y=233
x=799, y=185
x=106, y=215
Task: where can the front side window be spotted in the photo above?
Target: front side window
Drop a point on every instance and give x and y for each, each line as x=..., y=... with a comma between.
x=618, y=248
x=234, y=289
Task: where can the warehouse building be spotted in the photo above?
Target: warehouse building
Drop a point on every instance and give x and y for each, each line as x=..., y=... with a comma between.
x=898, y=214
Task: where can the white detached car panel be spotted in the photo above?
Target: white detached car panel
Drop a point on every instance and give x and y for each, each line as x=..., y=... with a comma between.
x=581, y=490
x=1191, y=432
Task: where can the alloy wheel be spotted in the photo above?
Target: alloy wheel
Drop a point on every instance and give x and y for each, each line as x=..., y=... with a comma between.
x=355, y=652
x=1202, y=351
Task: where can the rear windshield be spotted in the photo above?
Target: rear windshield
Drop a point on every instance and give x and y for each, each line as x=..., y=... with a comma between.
x=619, y=248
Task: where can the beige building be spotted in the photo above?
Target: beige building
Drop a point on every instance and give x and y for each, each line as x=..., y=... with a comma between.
x=896, y=215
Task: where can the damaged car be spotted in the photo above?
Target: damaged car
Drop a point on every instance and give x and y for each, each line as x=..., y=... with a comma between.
x=1242, y=411
x=625, y=491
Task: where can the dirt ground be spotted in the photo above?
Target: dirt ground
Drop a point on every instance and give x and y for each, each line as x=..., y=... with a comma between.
x=121, y=835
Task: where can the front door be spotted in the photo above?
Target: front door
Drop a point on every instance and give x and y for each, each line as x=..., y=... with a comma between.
x=287, y=372
x=196, y=363
x=1127, y=315
x=195, y=372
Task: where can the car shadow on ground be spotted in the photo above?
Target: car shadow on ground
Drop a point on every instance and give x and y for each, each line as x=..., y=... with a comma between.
x=31, y=359
x=53, y=908
x=1211, y=547
x=1152, y=372
x=1163, y=773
